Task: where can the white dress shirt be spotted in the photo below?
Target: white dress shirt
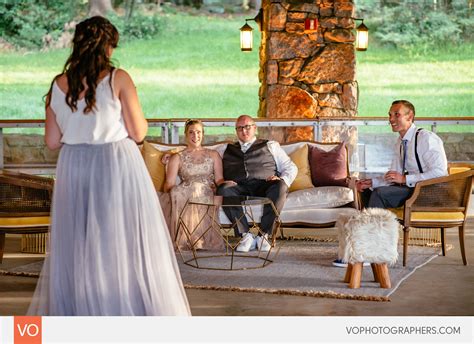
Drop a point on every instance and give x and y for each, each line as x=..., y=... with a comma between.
x=430, y=152
x=285, y=166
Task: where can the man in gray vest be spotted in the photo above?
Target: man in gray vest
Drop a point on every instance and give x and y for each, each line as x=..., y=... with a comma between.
x=254, y=167
x=419, y=155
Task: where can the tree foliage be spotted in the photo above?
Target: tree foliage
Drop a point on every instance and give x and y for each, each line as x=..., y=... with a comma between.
x=33, y=24
x=26, y=22
x=412, y=24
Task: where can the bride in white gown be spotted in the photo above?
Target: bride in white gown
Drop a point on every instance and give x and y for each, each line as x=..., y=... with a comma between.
x=110, y=251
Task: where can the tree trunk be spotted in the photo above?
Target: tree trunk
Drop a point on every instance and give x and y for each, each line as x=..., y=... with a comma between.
x=100, y=7
x=130, y=8
x=256, y=4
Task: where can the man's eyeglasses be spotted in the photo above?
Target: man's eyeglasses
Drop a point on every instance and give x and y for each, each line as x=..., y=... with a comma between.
x=246, y=127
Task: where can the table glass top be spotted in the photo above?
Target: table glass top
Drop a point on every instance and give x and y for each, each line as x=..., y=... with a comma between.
x=230, y=201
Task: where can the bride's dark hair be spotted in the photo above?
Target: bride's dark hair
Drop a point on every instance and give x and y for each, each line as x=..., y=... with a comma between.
x=92, y=39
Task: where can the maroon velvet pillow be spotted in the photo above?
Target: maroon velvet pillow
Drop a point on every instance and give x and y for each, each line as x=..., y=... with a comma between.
x=328, y=168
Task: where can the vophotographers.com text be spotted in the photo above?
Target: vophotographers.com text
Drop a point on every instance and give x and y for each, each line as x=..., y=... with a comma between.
x=403, y=330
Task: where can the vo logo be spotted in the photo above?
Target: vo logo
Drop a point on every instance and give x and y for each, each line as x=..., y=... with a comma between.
x=27, y=330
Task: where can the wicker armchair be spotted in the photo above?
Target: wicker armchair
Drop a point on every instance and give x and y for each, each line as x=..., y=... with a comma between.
x=25, y=203
x=438, y=203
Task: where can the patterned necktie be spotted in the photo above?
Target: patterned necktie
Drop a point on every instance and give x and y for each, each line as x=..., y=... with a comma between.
x=405, y=143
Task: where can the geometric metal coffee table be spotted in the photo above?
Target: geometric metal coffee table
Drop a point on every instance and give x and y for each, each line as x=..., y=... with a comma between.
x=210, y=210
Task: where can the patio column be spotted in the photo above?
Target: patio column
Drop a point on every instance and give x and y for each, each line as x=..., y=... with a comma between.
x=308, y=74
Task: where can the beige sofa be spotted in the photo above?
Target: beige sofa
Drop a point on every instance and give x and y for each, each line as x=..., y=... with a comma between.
x=311, y=206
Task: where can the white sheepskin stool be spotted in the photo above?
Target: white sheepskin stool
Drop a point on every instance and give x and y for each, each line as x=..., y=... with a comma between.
x=369, y=236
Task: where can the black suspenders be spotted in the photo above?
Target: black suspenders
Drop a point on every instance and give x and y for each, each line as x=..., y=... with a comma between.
x=416, y=150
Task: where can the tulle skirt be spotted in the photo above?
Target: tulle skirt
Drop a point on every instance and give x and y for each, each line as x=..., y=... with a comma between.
x=110, y=251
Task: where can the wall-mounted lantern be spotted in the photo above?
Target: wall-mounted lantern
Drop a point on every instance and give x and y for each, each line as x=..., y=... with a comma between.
x=246, y=38
x=362, y=40
x=246, y=32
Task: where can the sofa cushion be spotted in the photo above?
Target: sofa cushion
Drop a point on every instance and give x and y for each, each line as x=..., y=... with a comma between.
x=315, y=216
x=303, y=178
x=219, y=147
x=328, y=168
x=323, y=197
x=293, y=146
x=152, y=157
x=308, y=215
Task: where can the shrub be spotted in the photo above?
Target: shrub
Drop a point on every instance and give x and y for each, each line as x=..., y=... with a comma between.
x=25, y=23
x=138, y=26
x=413, y=24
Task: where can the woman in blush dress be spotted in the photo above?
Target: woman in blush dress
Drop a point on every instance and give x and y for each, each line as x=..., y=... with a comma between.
x=110, y=251
x=200, y=170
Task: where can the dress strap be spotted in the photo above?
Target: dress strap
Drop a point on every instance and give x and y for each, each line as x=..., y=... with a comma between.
x=112, y=80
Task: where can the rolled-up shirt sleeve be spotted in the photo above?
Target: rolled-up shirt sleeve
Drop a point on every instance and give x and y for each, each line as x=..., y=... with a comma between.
x=285, y=167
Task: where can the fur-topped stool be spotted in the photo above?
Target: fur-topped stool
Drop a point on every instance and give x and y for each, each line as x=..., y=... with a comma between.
x=369, y=236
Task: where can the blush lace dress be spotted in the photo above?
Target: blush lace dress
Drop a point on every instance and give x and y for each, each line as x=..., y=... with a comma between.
x=197, y=180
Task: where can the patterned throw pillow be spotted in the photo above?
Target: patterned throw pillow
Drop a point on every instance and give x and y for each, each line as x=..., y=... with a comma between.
x=303, y=178
x=328, y=168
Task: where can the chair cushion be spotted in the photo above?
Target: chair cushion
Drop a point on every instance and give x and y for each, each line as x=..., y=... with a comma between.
x=328, y=168
x=426, y=216
x=24, y=222
x=303, y=178
x=323, y=197
x=454, y=170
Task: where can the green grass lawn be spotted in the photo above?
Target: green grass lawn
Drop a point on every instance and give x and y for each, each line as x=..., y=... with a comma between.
x=195, y=69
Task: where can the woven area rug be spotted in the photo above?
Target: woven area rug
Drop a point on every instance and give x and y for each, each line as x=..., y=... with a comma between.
x=303, y=268
x=300, y=268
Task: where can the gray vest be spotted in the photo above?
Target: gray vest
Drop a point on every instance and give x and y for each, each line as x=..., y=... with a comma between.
x=256, y=163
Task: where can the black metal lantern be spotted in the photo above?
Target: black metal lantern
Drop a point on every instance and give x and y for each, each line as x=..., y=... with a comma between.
x=246, y=38
x=362, y=37
x=246, y=32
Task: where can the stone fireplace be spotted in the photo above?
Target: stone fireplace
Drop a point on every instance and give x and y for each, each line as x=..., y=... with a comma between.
x=307, y=74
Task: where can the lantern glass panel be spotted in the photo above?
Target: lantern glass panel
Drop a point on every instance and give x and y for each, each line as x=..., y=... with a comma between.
x=246, y=40
x=362, y=37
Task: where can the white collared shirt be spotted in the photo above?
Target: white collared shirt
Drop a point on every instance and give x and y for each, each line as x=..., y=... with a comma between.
x=285, y=166
x=431, y=153
x=244, y=146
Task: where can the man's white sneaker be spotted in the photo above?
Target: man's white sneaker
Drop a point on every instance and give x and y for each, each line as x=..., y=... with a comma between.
x=263, y=243
x=247, y=243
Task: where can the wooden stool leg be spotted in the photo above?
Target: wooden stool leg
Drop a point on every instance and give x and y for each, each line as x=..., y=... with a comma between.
x=347, y=277
x=384, y=276
x=355, y=276
x=375, y=272
x=2, y=246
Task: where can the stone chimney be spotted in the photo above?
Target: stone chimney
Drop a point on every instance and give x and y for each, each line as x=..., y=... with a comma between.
x=308, y=74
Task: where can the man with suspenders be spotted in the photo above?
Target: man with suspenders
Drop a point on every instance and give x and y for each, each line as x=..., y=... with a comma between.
x=419, y=155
